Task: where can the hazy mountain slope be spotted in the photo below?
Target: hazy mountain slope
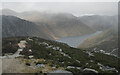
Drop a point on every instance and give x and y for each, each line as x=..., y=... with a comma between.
x=8, y=12
x=13, y=26
x=56, y=25
x=107, y=41
x=62, y=24
x=99, y=22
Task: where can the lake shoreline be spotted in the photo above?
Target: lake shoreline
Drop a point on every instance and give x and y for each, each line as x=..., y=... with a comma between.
x=75, y=41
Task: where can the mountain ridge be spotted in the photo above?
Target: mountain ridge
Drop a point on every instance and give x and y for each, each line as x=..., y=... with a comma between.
x=56, y=25
x=13, y=26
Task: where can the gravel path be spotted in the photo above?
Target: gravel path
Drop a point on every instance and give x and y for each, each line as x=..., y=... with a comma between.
x=12, y=66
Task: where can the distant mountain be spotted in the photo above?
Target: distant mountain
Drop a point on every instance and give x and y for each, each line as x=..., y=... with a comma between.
x=55, y=25
x=99, y=22
x=8, y=12
x=61, y=24
x=106, y=41
x=13, y=26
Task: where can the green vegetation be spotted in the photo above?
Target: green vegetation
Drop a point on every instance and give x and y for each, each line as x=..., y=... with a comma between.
x=48, y=52
x=10, y=45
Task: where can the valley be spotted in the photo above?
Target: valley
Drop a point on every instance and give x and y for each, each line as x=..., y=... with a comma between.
x=53, y=25
x=40, y=42
x=75, y=41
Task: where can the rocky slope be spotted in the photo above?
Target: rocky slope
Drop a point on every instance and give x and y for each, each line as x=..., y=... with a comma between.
x=106, y=41
x=44, y=56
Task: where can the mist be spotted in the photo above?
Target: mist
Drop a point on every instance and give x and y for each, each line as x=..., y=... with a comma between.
x=76, y=8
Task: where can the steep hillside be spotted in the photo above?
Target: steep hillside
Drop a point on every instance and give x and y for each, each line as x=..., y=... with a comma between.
x=99, y=22
x=14, y=26
x=56, y=25
x=106, y=41
x=44, y=56
x=61, y=25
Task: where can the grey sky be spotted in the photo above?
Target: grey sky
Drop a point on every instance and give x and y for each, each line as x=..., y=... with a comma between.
x=76, y=8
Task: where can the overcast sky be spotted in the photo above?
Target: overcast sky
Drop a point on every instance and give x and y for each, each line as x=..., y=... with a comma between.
x=60, y=0
x=76, y=8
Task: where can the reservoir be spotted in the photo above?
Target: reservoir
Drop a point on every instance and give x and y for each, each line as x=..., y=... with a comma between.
x=75, y=41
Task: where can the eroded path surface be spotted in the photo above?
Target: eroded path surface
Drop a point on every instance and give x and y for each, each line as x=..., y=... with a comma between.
x=12, y=66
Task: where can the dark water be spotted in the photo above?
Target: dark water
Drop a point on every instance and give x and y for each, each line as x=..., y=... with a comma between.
x=75, y=41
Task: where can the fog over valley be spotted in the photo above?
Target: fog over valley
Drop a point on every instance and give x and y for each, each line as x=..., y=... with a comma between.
x=60, y=37
x=76, y=8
